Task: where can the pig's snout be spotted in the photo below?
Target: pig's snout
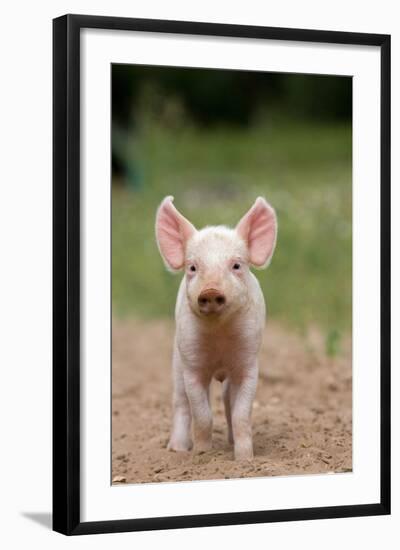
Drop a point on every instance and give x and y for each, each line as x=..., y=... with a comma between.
x=211, y=300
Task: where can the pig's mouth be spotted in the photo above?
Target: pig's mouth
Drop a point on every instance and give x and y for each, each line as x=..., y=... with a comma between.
x=211, y=314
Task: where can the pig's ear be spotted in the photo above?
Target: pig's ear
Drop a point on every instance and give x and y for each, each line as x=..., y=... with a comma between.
x=172, y=232
x=258, y=229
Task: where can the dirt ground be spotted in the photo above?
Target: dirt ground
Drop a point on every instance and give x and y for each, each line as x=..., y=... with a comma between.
x=302, y=422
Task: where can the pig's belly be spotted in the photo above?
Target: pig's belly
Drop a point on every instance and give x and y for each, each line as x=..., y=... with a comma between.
x=220, y=366
x=219, y=357
x=220, y=375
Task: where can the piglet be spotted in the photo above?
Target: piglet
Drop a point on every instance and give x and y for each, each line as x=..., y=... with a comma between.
x=220, y=316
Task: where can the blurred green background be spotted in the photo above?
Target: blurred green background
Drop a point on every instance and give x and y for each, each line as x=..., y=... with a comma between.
x=216, y=139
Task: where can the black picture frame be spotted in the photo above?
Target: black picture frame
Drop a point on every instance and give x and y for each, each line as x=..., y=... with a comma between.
x=66, y=273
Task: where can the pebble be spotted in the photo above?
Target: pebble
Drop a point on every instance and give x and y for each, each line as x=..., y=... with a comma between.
x=119, y=479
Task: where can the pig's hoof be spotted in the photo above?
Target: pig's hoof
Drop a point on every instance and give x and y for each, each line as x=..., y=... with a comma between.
x=201, y=448
x=244, y=455
x=179, y=445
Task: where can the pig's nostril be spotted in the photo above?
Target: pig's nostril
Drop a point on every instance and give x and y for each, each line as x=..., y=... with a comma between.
x=211, y=301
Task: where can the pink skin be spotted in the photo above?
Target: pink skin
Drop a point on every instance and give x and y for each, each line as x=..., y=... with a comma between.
x=220, y=317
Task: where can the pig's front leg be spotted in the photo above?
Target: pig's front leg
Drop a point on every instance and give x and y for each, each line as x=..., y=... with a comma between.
x=180, y=439
x=243, y=386
x=197, y=389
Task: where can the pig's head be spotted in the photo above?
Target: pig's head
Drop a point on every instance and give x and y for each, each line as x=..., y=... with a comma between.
x=216, y=260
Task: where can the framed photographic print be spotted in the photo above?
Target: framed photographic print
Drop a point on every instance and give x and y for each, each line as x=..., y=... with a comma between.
x=221, y=274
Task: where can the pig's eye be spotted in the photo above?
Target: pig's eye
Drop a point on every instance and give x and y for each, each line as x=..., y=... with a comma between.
x=192, y=268
x=236, y=266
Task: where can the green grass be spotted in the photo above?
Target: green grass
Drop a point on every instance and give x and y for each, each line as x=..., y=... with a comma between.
x=215, y=175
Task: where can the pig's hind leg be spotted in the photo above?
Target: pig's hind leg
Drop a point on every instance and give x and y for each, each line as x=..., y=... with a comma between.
x=180, y=439
x=227, y=404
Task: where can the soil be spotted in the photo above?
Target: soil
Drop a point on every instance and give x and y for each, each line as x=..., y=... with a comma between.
x=302, y=415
